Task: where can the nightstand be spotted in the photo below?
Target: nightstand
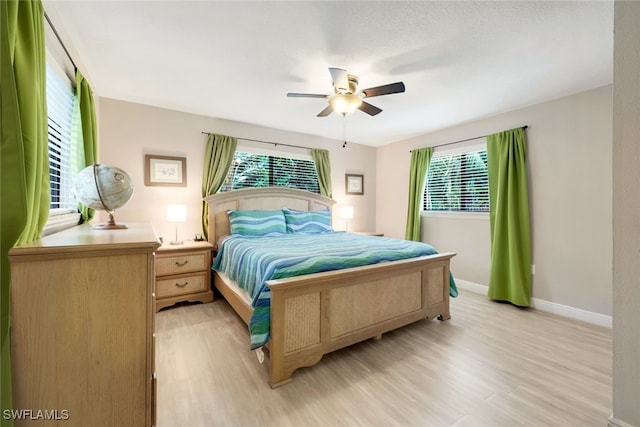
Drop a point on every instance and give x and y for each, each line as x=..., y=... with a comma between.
x=183, y=273
x=368, y=233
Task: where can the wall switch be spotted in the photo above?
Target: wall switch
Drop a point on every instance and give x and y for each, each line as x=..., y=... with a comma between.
x=533, y=269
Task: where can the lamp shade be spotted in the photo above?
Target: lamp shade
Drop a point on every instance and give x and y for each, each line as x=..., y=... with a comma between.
x=176, y=213
x=346, y=212
x=344, y=103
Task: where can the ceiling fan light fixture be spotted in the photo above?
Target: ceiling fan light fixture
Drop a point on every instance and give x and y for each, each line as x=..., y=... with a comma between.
x=347, y=98
x=344, y=103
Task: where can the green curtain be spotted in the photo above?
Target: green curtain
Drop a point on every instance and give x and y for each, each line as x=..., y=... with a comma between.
x=420, y=159
x=86, y=142
x=510, y=277
x=24, y=171
x=218, y=156
x=323, y=168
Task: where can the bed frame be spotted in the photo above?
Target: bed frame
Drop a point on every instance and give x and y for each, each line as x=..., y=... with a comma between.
x=315, y=314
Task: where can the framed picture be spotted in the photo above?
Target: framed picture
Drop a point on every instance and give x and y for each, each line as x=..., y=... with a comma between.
x=354, y=184
x=165, y=171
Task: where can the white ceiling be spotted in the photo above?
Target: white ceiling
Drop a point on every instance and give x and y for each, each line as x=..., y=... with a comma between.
x=459, y=60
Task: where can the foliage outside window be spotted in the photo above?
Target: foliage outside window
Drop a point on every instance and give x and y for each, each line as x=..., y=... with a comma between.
x=458, y=183
x=262, y=170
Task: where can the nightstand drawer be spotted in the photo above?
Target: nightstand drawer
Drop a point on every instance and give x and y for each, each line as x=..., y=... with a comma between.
x=181, y=285
x=183, y=263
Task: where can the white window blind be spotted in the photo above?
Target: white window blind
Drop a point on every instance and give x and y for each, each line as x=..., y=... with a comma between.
x=457, y=182
x=60, y=99
x=250, y=169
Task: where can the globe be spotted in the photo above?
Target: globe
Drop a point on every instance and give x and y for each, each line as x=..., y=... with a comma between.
x=105, y=188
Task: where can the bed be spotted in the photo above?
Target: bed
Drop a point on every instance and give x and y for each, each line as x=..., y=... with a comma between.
x=314, y=314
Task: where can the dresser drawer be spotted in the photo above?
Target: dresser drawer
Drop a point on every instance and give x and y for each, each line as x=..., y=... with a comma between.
x=182, y=263
x=182, y=285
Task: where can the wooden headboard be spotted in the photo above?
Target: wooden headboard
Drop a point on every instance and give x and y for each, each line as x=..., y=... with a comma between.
x=265, y=198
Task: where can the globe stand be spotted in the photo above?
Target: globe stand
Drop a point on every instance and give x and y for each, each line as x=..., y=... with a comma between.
x=110, y=225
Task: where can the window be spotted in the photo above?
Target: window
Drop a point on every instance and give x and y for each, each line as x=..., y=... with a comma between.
x=457, y=182
x=63, y=211
x=266, y=170
x=62, y=123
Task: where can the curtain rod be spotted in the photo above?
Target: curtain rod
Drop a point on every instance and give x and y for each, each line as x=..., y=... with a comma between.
x=60, y=41
x=465, y=140
x=265, y=142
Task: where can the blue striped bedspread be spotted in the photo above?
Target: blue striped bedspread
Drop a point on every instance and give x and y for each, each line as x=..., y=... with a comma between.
x=252, y=261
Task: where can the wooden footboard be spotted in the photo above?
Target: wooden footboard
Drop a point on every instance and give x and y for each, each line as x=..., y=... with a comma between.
x=318, y=313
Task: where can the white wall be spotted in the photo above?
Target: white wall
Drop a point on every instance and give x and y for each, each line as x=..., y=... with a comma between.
x=626, y=216
x=128, y=131
x=570, y=189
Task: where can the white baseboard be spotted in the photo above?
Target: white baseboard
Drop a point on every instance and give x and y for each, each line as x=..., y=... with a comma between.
x=474, y=287
x=614, y=422
x=548, y=307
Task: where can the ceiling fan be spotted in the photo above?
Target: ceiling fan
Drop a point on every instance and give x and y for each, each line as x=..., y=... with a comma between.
x=346, y=98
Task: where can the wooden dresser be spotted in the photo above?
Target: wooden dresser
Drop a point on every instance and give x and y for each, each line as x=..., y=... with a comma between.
x=183, y=273
x=82, y=330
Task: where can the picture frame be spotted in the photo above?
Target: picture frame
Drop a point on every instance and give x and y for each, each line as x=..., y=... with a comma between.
x=165, y=171
x=354, y=184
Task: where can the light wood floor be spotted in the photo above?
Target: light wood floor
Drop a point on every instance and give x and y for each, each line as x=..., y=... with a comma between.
x=492, y=364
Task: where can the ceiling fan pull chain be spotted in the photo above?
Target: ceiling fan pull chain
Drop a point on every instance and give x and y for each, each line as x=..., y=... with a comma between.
x=344, y=130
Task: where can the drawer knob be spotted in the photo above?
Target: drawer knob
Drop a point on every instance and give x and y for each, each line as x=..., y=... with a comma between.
x=182, y=285
x=182, y=264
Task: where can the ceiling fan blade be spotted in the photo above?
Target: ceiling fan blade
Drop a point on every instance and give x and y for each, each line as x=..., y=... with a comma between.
x=371, y=110
x=383, y=90
x=340, y=79
x=325, y=112
x=306, y=95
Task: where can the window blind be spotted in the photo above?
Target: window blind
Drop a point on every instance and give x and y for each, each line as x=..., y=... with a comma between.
x=262, y=170
x=458, y=183
x=60, y=99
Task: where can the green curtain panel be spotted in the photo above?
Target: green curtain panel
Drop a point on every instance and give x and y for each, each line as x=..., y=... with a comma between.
x=420, y=159
x=510, y=277
x=24, y=171
x=218, y=156
x=86, y=143
x=323, y=168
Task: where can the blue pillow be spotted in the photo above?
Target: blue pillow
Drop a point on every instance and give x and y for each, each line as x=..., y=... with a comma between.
x=311, y=222
x=257, y=223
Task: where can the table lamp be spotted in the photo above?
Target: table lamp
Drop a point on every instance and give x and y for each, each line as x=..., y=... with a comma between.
x=176, y=213
x=346, y=212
